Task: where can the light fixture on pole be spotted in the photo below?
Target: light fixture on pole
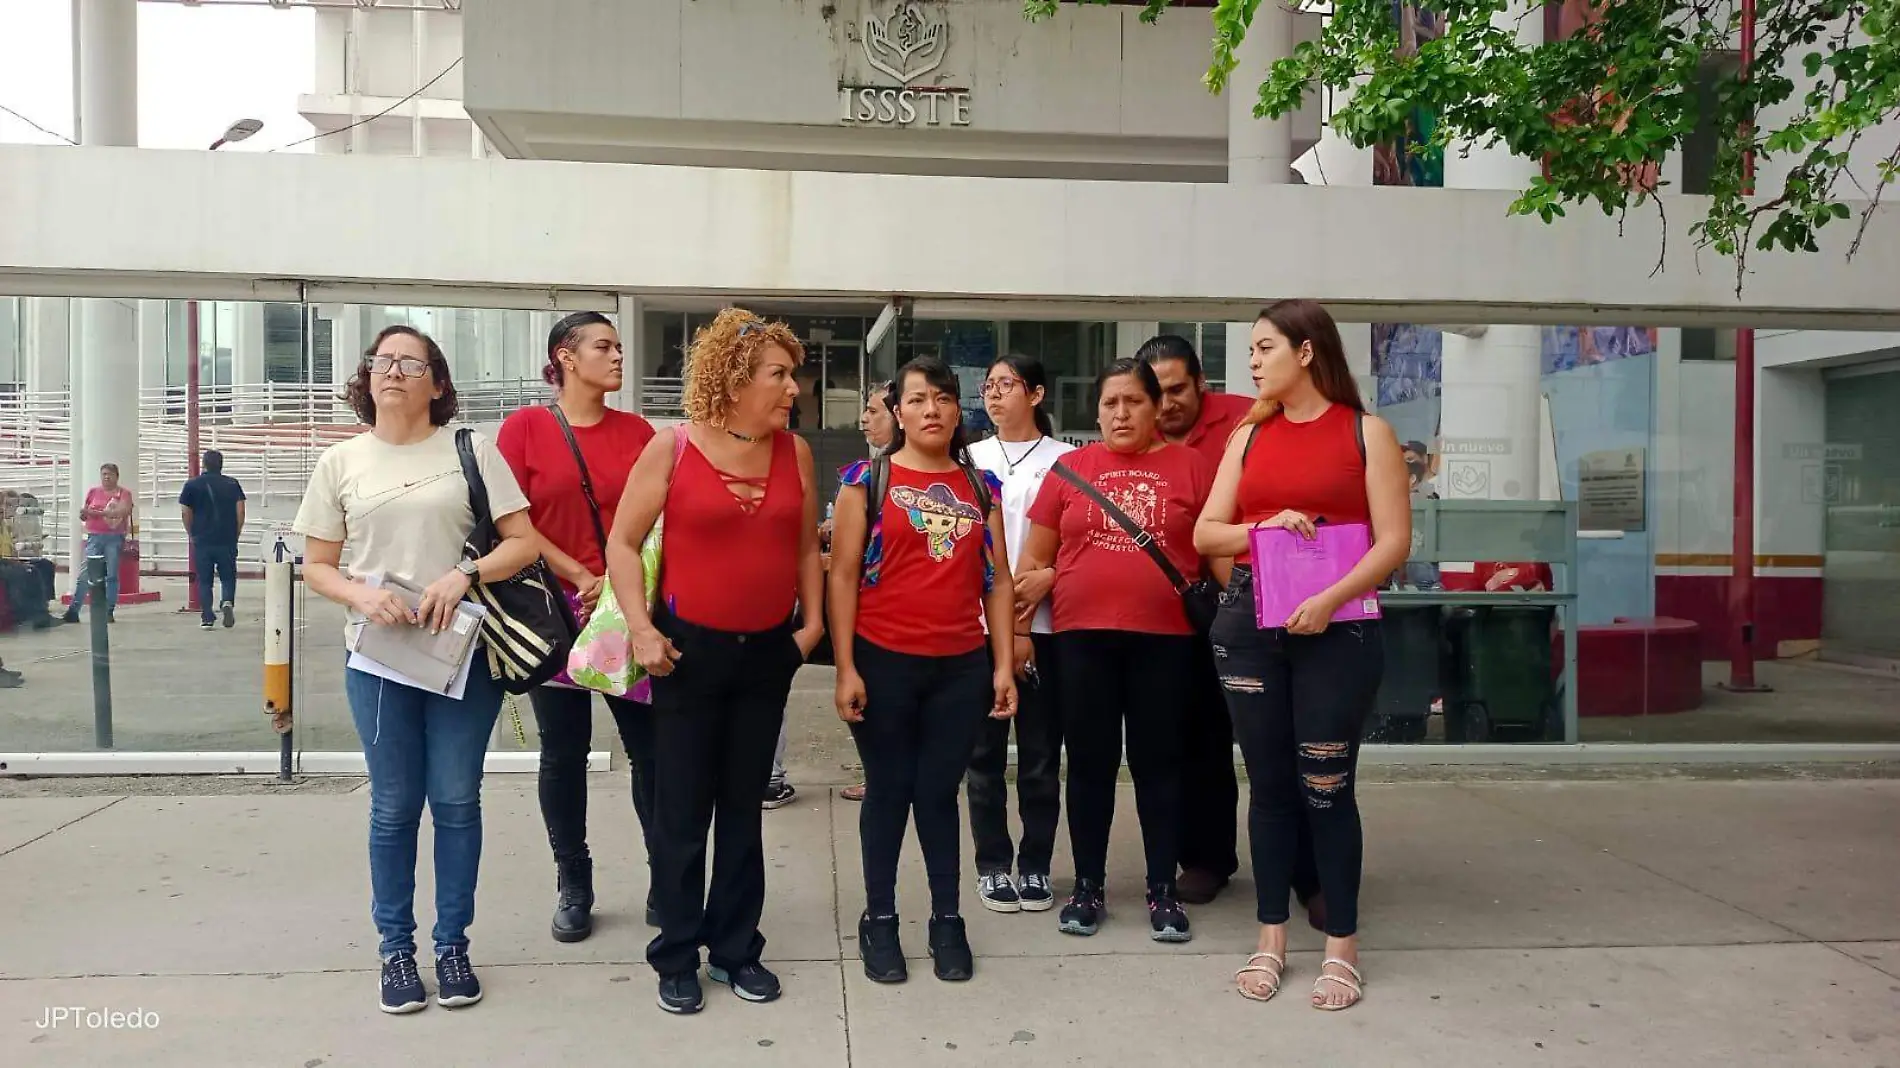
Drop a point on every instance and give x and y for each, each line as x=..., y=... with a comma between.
x=236, y=132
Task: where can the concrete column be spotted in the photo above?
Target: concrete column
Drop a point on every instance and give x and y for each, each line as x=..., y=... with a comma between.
x=1259, y=151
x=247, y=349
x=47, y=341
x=347, y=340
x=106, y=359
x=630, y=320
x=154, y=344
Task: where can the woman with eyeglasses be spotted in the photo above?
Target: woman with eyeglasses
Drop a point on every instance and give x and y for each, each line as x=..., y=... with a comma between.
x=397, y=496
x=1125, y=649
x=740, y=544
x=1019, y=456
x=916, y=572
x=572, y=458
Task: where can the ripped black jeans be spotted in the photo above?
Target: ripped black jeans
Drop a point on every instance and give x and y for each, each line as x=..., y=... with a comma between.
x=1299, y=704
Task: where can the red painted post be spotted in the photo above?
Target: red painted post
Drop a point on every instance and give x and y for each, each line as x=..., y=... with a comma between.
x=1741, y=586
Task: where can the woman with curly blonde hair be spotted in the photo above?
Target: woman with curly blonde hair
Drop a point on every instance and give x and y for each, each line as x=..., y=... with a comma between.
x=740, y=504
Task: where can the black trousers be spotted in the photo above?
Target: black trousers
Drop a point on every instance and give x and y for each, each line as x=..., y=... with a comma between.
x=715, y=724
x=1038, y=775
x=921, y=719
x=565, y=720
x=1210, y=792
x=1110, y=678
x=1299, y=704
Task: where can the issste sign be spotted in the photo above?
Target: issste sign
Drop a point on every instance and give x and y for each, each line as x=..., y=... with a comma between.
x=905, y=45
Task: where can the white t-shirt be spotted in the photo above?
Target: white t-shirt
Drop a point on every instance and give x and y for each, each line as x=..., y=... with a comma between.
x=402, y=509
x=1020, y=485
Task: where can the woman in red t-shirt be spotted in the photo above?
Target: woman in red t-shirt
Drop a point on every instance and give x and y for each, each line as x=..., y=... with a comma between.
x=1299, y=693
x=1125, y=650
x=571, y=499
x=740, y=553
x=913, y=583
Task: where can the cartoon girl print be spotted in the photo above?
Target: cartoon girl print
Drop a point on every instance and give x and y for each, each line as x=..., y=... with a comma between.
x=939, y=516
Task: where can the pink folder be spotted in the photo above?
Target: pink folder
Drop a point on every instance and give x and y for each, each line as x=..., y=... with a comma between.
x=1287, y=569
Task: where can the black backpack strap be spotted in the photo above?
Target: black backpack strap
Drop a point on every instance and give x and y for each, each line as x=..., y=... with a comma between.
x=875, y=490
x=1143, y=540
x=980, y=489
x=1252, y=433
x=1359, y=433
x=587, y=483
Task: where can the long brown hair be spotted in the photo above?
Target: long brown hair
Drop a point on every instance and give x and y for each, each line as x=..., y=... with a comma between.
x=1302, y=322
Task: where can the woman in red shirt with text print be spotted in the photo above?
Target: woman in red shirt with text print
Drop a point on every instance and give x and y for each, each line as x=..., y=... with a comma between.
x=572, y=459
x=1299, y=693
x=917, y=567
x=1123, y=642
x=740, y=551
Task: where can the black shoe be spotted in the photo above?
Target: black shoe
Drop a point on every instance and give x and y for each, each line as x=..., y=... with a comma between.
x=574, y=910
x=950, y=949
x=71, y=616
x=230, y=615
x=878, y=947
x=1198, y=886
x=1083, y=914
x=402, y=986
x=455, y=982
x=653, y=914
x=998, y=893
x=680, y=993
x=752, y=982
x=1166, y=918
x=1035, y=893
x=778, y=796
x=206, y=624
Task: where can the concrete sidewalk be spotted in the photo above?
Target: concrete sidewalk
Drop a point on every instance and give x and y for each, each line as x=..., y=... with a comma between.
x=1507, y=923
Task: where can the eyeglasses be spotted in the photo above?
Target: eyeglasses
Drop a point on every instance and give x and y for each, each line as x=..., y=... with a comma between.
x=1000, y=387
x=409, y=365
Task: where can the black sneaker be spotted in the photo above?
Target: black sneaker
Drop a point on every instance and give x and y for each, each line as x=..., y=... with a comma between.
x=778, y=796
x=402, y=986
x=998, y=893
x=1166, y=918
x=680, y=993
x=205, y=624
x=880, y=950
x=950, y=949
x=752, y=982
x=1083, y=914
x=71, y=616
x=230, y=615
x=455, y=982
x=1035, y=893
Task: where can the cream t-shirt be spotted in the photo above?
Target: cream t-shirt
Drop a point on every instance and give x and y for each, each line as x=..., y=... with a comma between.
x=402, y=509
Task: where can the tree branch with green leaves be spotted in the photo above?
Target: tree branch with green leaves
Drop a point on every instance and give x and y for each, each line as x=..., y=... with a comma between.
x=1604, y=107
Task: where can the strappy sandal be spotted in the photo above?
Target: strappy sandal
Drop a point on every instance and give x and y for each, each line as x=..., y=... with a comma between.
x=1353, y=982
x=1254, y=967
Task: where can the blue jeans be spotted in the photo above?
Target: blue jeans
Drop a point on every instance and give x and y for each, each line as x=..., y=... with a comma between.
x=420, y=745
x=108, y=546
x=223, y=560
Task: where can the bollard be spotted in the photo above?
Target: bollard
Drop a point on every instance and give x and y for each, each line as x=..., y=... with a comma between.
x=101, y=617
x=279, y=653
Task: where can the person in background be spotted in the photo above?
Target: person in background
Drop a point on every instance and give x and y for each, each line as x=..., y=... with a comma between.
x=1125, y=648
x=1019, y=456
x=106, y=516
x=212, y=507
x=914, y=579
x=10, y=680
x=398, y=497
x=740, y=502
x=1300, y=693
x=572, y=510
x=879, y=425
x=1201, y=419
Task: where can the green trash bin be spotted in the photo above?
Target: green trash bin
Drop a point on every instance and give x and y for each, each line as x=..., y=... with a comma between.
x=1413, y=638
x=1500, y=685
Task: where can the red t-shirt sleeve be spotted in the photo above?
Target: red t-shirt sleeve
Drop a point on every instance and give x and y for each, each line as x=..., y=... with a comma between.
x=1046, y=510
x=511, y=441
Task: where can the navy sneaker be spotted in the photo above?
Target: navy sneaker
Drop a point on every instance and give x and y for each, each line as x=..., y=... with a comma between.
x=752, y=982
x=455, y=982
x=402, y=986
x=1035, y=893
x=680, y=993
x=1083, y=914
x=998, y=893
x=1167, y=920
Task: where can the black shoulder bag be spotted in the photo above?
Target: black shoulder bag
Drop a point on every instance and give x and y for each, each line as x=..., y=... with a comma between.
x=1198, y=599
x=528, y=629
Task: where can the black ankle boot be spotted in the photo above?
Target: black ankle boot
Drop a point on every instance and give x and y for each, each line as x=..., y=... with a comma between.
x=574, y=912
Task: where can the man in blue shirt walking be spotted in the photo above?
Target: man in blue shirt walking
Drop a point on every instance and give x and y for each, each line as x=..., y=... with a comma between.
x=212, y=506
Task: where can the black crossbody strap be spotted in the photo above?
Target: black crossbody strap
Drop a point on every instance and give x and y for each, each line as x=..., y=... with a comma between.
x=1143, y=540
x=587, y=484
x=472, y=474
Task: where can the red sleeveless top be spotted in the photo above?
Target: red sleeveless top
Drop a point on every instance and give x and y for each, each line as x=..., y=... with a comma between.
x=729, y=565
x=1316, y=468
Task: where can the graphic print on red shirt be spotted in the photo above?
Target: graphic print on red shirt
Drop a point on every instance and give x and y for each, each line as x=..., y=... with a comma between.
x=925, y=565
x=1104, y=581
x=532, y=443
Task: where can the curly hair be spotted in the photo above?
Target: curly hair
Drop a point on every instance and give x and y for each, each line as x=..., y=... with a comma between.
x=722, y=358
x=361, y=401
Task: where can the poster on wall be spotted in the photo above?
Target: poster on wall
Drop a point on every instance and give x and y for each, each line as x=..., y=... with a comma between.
x=1408, y=359
x=1610, y=491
